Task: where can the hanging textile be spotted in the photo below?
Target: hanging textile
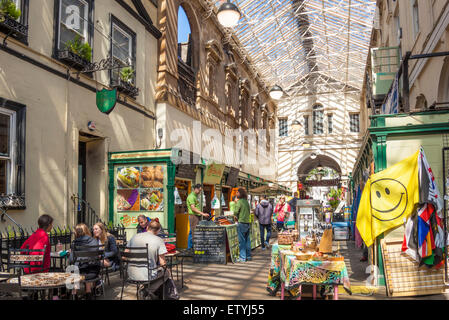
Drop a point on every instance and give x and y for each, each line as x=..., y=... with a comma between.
x=424, y=233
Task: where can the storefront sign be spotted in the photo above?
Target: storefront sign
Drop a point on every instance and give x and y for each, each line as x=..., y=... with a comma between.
x=140, y=155
x=213, y=174
x=106, y=100
x=209, y=245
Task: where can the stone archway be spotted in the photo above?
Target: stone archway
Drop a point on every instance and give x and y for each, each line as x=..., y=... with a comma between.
x=309, y=164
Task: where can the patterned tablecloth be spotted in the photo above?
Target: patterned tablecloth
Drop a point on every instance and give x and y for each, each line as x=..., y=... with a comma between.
x=274, y=279
x=46, y=280
x=284, y=267
x=295, y=272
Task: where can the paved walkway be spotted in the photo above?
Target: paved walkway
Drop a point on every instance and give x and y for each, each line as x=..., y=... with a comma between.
x=247, y=281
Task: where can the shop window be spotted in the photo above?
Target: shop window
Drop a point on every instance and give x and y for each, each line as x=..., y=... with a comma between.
x=283, y=128
x=329, y=123
x=12, y=149
x=123, y=52
x=318, y=115
x=354, y=122
x=74, y=29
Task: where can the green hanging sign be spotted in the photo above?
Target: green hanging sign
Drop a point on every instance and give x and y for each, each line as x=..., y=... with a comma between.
x=106, y=100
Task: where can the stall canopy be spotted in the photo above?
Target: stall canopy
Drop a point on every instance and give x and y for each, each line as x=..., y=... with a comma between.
x=268, y=189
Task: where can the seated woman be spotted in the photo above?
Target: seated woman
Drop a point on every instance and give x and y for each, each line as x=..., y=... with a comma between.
x=110, y=246
x=90, y=271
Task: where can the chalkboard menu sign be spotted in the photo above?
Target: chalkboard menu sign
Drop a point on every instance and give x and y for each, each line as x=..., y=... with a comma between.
x=209, y=245
x=233, y=241
x=232, y=177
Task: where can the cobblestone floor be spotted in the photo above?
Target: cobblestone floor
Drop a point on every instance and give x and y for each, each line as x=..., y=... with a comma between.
x=248, y=280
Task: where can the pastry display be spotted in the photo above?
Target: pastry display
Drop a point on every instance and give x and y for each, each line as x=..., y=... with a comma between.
x=152, y=199
x=152, y=177
x=128, y=177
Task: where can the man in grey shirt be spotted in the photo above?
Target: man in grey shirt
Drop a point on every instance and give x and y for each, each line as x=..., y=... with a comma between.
x=156, y=253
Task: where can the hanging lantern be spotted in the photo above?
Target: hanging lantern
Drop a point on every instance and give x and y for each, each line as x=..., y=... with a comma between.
x=228, y=15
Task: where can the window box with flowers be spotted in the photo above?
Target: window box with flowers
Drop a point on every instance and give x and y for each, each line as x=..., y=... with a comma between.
x=124, y=82
x=12, y=19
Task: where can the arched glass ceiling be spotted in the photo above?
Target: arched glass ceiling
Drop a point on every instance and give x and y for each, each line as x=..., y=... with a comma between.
x=307, y=46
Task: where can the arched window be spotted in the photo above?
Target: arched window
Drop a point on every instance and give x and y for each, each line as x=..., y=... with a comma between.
x=318, y=115
x=185, y=42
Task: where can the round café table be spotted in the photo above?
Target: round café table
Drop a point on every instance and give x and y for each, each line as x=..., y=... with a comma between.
x=45, y=281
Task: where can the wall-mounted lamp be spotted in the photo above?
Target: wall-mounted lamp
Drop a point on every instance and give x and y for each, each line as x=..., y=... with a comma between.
x=160, y=134
x=296, y=125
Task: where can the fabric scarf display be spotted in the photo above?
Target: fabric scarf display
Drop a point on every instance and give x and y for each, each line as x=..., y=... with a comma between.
x=424, y=233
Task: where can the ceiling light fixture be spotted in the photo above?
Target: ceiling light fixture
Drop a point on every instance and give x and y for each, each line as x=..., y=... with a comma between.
x=276, y=92
x=228, y=15
x=296, y=125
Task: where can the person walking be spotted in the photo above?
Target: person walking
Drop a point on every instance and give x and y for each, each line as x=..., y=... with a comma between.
x=292, y=204
x=243, y=216
x=281, y=213
x=264, y=212
x=193, y=208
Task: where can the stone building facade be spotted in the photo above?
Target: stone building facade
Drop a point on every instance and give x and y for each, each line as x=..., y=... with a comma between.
x=55, y=141
x=216, y=88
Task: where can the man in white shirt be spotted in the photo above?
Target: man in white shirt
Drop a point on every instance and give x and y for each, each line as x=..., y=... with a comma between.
x=156, y=255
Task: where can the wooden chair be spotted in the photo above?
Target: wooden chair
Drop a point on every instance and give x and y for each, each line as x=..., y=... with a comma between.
x=138, y=257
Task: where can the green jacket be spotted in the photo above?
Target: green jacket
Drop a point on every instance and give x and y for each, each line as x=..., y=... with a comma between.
x=242, y=211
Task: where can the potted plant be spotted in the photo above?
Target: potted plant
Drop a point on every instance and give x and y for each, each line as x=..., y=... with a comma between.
x=9, y=14
x=124, y=83
x=76, y=53
x=334, y=198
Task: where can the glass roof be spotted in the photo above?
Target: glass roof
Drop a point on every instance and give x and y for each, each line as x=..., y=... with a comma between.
x=307, y=46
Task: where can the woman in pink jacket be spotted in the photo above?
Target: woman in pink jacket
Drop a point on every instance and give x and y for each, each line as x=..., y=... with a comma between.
x=281, y=212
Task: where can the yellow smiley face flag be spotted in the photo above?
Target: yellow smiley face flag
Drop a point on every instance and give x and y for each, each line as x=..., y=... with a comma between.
x=388, y=199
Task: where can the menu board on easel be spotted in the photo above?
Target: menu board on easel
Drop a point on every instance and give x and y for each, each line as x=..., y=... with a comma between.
x=233, y=242
x=209, y=245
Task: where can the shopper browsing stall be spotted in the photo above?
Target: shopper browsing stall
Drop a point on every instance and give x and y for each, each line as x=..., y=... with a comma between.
x=242, y=214
x=193, y=207
x=264, y=212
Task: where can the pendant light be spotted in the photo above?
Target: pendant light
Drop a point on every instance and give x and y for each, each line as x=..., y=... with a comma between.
x=296, y=125
x=276, y=92
x=228, y=15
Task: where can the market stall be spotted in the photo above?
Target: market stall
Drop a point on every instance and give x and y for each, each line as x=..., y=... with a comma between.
x=309, y=261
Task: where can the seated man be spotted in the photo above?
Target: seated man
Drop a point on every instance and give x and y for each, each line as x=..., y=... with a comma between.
x=156, y=258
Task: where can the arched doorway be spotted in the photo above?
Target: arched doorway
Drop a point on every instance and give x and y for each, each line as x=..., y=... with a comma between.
x=317, y=184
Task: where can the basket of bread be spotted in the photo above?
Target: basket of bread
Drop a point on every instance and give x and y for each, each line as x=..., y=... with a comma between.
x=285, y=238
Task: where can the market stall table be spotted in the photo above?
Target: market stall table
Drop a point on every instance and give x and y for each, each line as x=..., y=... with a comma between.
x=294, y=273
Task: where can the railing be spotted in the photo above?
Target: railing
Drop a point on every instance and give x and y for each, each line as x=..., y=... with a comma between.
x=186, y=83
x=14, y=238
x=83, y=212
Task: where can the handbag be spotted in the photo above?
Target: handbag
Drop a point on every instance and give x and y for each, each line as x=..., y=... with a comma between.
x=171, y=292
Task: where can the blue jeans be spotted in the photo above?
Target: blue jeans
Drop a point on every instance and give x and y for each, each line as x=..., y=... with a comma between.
x=264, y=227
x=243, y=230
x=189, y=240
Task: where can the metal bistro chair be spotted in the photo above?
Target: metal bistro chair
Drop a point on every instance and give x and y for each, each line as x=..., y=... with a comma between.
x=91, y=255
x=138, y=257
x=19, y=260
